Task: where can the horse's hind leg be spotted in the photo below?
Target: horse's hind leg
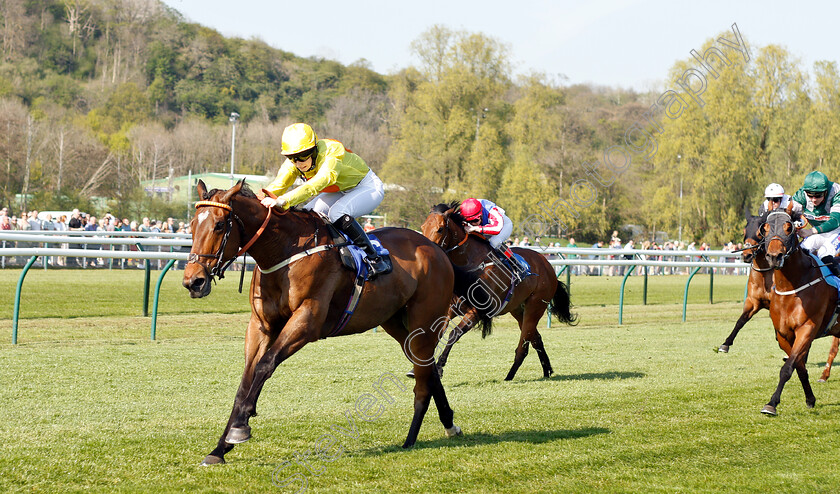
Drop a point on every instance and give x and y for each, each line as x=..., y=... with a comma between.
x=540, y=349
x=528, y=319
x=832, y=353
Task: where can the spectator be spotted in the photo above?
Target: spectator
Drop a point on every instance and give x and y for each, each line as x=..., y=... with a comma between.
x=145, y=226
x=369, y=225
x=576, y=270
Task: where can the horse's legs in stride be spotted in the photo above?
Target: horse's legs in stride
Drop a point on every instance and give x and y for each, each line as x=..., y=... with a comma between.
x=528, y=319
x=292, y=338
x=831, y=354
x=455, y=335
x=751, y=307
x=540, y=349
x=256, y=343
x=797, y=356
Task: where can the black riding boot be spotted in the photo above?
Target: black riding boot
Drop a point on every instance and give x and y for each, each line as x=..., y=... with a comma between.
x=378, y=265
x=831, y=263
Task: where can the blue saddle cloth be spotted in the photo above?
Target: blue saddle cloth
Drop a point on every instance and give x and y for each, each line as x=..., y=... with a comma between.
x=524, y=263
x=359, y=254
x=827, y=274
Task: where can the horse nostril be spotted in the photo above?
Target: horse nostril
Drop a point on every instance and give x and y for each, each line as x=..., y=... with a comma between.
x=197, y=284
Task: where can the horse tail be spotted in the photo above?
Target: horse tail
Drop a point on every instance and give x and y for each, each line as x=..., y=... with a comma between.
x=464, y=280
x=561, y=305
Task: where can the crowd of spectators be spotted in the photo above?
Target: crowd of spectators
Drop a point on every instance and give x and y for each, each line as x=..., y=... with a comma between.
x=694, y=252
x=80, y=221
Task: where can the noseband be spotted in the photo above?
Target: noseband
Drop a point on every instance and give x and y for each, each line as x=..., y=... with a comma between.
x=789, y=241
x=443, y=242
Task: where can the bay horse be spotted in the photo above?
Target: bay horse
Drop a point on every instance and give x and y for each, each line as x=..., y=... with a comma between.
x=528, y=301
x=760, y=281
x=760, y=285
x=802, y=305
x=300, y=291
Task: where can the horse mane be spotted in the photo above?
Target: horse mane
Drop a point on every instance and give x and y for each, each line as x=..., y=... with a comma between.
x=244, y=191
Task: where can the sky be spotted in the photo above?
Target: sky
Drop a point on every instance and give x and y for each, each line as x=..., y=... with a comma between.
x=618, y=43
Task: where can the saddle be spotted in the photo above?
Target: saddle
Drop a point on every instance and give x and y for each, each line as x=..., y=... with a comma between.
x=352, y=256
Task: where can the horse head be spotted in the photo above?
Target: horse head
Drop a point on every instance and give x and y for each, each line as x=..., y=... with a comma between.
x=215, y=240
x=753, y=237
x=779, y=236
x=444, y=225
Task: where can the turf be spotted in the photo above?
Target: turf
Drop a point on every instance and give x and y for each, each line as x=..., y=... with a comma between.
x=91, y=404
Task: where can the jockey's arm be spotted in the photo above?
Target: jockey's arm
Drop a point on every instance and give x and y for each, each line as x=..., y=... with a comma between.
x=495, y=222
x=285, y=178
x=832, y=223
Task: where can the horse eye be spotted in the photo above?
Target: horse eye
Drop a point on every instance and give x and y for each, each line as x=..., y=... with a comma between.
x=440, y=230
x=219, y=225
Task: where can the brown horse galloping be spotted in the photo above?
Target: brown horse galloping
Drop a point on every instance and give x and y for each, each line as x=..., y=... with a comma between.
x=759, y=287
x=300, y=293
x=760, y=281
x=529, y=299
x=802, y=304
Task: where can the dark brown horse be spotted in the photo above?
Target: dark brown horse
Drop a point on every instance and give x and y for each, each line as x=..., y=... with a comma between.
x=760, y=281
x=528, y=301
x=802, y=305
x=300, y=292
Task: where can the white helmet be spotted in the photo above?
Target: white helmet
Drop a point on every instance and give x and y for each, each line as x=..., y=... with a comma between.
x=774, y=190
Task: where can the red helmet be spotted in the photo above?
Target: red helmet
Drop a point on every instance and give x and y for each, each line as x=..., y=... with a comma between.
x=470, y=209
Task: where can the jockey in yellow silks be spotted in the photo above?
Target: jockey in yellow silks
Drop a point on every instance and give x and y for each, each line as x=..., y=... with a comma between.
x=336, y=183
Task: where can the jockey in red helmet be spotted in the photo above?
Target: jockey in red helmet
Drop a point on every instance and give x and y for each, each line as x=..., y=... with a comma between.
x=485, y=217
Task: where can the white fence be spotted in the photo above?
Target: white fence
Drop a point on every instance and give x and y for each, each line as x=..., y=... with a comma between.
x=168, y=248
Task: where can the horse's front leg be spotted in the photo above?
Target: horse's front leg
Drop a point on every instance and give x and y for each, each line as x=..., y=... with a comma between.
x=257, y=341
x=797, y=356
x=751, y=308
x=832, y=353
x=465, y=325
x=304, y=326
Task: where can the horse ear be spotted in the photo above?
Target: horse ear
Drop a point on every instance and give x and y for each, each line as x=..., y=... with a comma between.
x=201, y=189
x=232, y=192
x=747, y=214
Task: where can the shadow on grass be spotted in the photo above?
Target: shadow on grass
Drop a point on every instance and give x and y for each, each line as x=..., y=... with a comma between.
x=479, y=439
x=594, y=376
x=589, y=376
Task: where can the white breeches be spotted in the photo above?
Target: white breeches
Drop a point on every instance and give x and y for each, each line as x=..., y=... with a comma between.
x=823, y=244
x=360, y=200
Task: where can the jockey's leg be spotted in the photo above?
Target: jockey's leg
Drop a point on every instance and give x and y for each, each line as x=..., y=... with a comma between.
x=357, y=235
x=828, y=250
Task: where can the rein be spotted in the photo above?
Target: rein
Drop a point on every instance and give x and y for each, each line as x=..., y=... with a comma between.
x=221, y=266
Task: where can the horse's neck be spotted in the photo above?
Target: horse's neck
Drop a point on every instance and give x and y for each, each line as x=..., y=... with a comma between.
x=795, y=272
x=472, y=253
x=285, y=235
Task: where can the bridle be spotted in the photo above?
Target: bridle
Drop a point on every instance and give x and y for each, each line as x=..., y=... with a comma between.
x=221, y=266
x=446, y=229
x=789, y=241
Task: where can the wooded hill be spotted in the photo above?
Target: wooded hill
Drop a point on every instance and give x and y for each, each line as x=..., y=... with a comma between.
x=99, y=95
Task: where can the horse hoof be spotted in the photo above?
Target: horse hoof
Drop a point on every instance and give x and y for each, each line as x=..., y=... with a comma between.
x=810, y=405
x=454, y=431
x=723, y=349
x=238, y=435
x=212, y=460
x=410, y=374
x=820, y=380
x=769, y=410
x=407, y=444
